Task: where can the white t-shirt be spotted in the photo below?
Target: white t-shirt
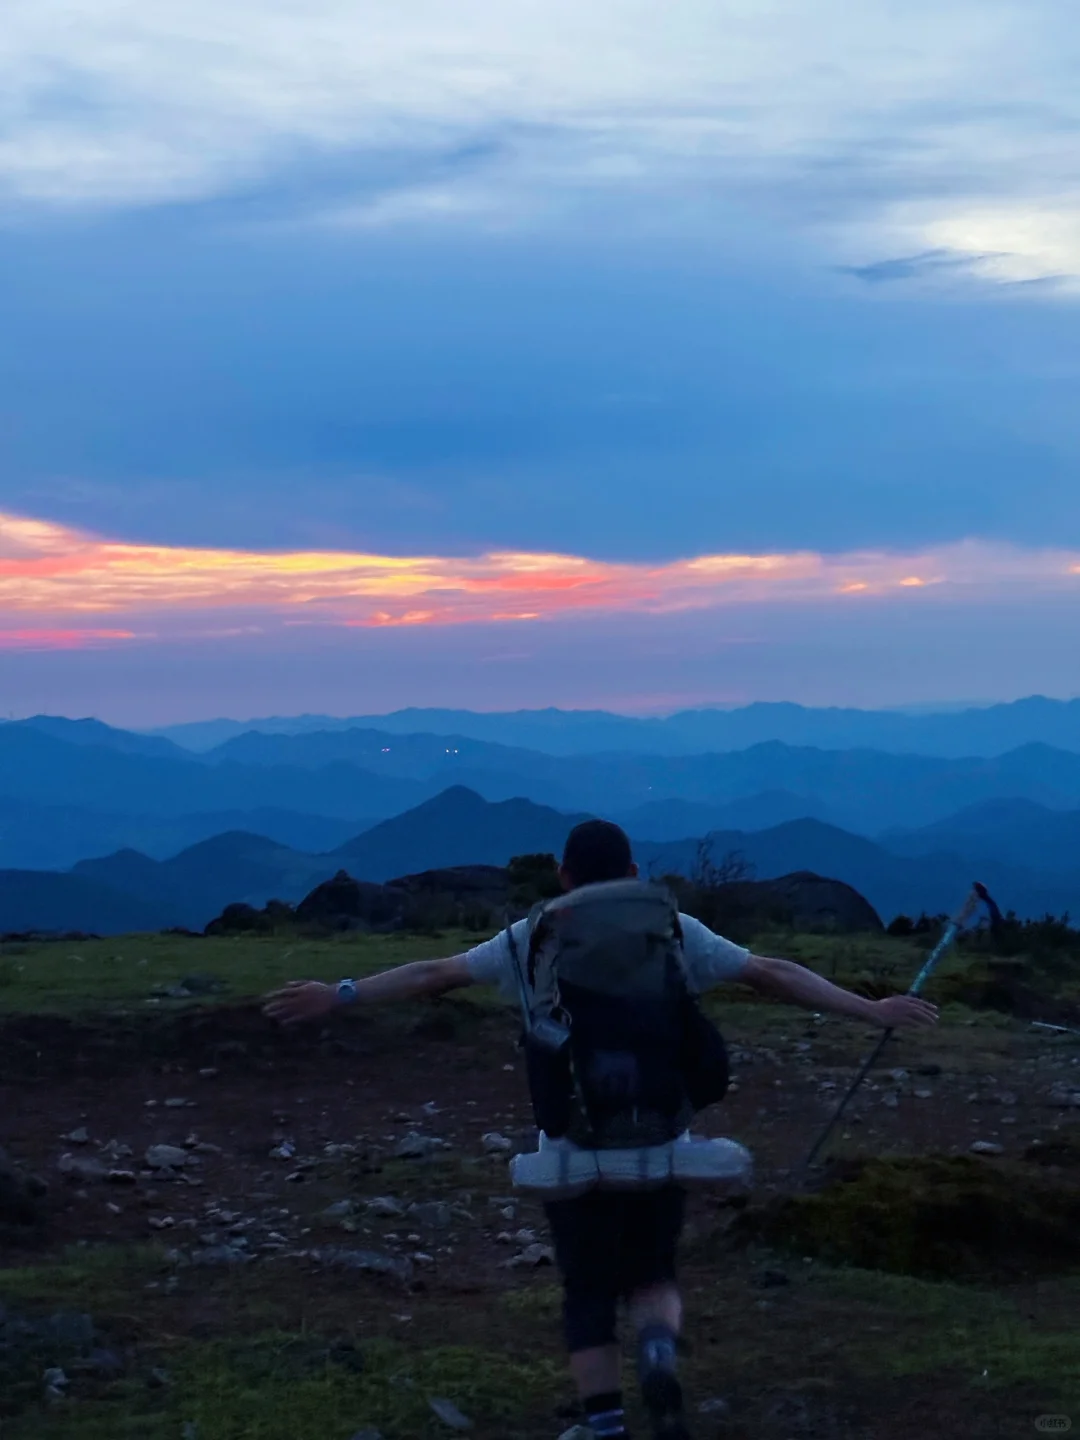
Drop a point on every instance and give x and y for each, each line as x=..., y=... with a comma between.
x=710, y=959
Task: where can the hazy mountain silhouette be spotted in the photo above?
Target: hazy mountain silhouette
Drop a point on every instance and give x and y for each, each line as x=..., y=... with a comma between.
x=43, y=900
x=988, y=730
x=865, y=791
x=1011, y=832
x=459, y=827
x=55, y=837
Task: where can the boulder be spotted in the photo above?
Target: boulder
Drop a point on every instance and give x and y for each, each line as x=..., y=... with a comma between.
x=22, y=1196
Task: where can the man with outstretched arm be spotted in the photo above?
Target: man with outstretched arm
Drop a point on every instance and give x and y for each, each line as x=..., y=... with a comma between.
x=612, y=1246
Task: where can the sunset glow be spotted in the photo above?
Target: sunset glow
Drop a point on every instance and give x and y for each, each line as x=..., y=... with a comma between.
x=49, y=572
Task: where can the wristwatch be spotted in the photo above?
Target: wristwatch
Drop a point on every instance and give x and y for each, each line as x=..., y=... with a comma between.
x=347, y=992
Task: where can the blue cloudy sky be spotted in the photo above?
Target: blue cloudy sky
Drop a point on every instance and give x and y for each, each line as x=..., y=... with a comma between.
x=359, y=354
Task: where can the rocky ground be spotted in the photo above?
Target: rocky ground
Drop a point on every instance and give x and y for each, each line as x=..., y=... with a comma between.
x=252, y=1234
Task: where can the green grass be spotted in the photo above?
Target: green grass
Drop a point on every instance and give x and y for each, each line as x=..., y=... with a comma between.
x=70, y=978
x=280, y=1387
x=990, y=1338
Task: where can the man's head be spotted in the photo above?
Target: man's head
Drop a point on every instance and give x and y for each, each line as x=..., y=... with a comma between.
x=596, y=850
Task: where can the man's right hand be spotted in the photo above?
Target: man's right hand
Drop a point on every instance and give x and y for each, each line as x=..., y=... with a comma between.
x=301, y=1000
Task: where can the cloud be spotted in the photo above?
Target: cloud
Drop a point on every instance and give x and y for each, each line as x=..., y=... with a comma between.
x=828, y=115
x=50, y=572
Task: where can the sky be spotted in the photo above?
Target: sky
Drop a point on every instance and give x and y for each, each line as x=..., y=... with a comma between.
x=501, y=354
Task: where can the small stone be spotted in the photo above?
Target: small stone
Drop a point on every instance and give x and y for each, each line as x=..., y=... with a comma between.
x=578, y=1432
x=166, y=1157
x=891, y=1101
x=385, y=1207
x=339, y=1210
x=79, y=1136
x=161, y=1222
x=208, y=1072
x=285, y=1151
x=531, y=1257
x=495, y=1144
x=435, y=1214
x=525, y=1236
x=82, y=1169
x=449, y=1414
x=716, y=1407
x=421, y=1257
x=121, y=1177
x=176, y=1102
x=158, y=1378
x=504, y=1238
x=986, y=1147
x=924, y=1094
x=55, y=1378
x=417, y=1147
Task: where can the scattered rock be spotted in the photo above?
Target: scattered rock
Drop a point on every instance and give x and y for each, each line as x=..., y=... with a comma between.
x=81, y=1169
x=495, y=1144
x=79, y=1136
x=22, y=1196
x=986, y=1147
x=285, y=1151
x=418, y=1147
x=531, y=1257
x=166, y=1157
x=434, y=1214
x=339, y=1210
x=177, y=1103
x=372, y=1262
x=234, y=1254
x=449, y=1414
x=716, y=1407
x=385, y=1207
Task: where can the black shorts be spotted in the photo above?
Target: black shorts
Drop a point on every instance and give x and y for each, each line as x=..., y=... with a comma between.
x=609, y=1245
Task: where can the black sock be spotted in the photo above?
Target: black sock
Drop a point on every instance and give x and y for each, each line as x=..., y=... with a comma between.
x=657, y=1348
x=605, y=1416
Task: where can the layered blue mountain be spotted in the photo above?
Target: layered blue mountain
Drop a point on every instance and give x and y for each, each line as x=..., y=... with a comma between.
x=459, y=827
x=984, y=731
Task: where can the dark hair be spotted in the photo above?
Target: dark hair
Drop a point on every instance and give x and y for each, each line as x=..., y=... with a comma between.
x=597, y=850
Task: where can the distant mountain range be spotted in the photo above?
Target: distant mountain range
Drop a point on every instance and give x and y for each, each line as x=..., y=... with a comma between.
x=352, y=774
x=131, y=891
x=983, y=731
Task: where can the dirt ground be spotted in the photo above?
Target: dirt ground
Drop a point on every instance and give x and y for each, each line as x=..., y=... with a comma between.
x=235, y=1244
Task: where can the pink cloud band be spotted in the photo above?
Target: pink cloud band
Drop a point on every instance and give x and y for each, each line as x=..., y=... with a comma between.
x=57, y=583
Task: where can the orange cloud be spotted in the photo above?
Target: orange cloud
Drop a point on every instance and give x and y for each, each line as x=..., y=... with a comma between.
x=49, y=571
x=60, y=639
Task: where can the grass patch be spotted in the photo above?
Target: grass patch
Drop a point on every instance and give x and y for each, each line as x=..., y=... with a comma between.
x=989, y=1337
x=83, y=1278
x=280, y=1386
x=71, y=978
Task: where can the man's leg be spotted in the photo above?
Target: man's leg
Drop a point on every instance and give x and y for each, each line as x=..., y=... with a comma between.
x=587, y=1247
x=651, y=1240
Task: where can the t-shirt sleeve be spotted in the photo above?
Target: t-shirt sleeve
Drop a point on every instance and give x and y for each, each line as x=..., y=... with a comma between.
x=490, y=962
x=710, y=959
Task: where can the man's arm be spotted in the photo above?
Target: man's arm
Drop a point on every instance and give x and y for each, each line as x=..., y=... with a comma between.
x=311, y=999
x=784, y=980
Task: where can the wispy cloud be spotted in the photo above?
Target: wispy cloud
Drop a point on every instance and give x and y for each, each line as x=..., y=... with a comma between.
x=940, y=124
x=50, y=573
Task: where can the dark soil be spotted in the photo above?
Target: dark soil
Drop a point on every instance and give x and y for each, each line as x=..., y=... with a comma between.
x=790, y=1355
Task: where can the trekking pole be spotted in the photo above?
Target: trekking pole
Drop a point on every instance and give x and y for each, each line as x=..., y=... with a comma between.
x=979, y=896
x=1057, y=1029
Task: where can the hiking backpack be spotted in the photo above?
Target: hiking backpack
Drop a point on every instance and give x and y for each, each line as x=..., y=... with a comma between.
x=618, y=1052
